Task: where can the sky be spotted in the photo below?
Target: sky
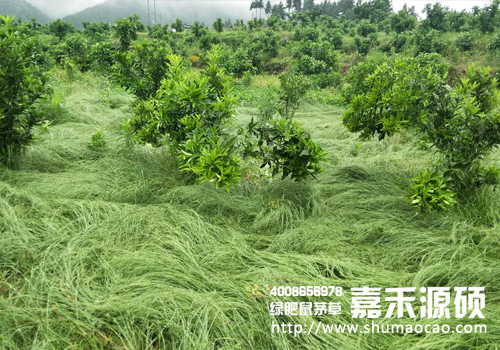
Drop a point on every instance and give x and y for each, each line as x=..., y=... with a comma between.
x=60, y=8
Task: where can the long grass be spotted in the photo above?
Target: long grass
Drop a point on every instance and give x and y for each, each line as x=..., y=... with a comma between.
x=114, y=249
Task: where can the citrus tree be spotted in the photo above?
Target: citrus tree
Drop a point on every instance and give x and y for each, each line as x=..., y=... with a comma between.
x=21, y=85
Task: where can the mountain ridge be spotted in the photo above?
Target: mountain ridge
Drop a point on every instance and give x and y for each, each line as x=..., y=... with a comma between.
x=24, y=10
x=110, y=10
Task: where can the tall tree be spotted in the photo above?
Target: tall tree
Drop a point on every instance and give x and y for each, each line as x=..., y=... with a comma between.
x=261, y=6
x=289, y=5
x=218, y=25
x=178, y=25
x=308, y=5
x=253, y=6
x=297, y=5
x=268, y=8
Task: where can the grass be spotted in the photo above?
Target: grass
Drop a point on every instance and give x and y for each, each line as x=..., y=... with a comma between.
x=113, y=249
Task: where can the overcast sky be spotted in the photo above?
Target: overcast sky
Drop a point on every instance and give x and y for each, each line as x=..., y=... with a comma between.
x=60, y=8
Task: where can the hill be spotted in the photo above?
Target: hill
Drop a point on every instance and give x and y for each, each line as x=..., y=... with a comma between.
x=110, y=10
x=22, y=9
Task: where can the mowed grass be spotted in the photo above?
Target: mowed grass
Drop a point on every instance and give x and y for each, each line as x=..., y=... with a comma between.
x=115, y=249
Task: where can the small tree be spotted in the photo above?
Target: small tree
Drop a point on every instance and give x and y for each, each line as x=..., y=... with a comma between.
x=218, y=25
x=197, y=29
x=60, y=28
x=462, y=124
x=292, y=90
x=142, y=69
x=404, y=20
x=21, y=85
x=178, y=25
x=268, y=8
x=126, y=29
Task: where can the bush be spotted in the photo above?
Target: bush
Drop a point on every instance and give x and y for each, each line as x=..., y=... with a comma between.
x=60, y=28
x=462, y=124
x=495, y=43
x=464, y=42
x=192, y=112
x=335, y=38
x=404, y=20
x=362, y=45
x=102, y=56
x=246, y=79
x=126, y=30
x=429, y=41
x=218, y=25
x=268, y=105
x=306, y=33
x=76, y=48
x=208, y=39
x=143, y=68
x=211, y=156
x=21, y=85
x=189, y=113
x=356, y=77
x=97, y=141
x=327, y=80
x=315, y=58
x=292, y=90
x=285, y=148
x=235, y=62
x=429, y=192
x=267, y=43
x=365, y=27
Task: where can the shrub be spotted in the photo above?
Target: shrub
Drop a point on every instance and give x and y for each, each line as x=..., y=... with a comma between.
x=60, y=28
x=208, y=39
x=268, y=105
x=404, y=20
x=335, y=37
x=362, y=45
x=102, y=56
x=429, y=192
x=143, y=68
x=211, y=156
x=292, y=90
x=76, y=48
x=356, y=77
x=218, y=25
x=189, y=113
x=429, y=41
x=97, y=141
x=96, y=31
x=21, y=85
x=178, y=25
x=464, y=42
x=365, y=28
x=246, y=79
x=462, y=124
x=285, y=148
x=267, y=43
x=126, y=30
x=495, y=43
x=315, y=58
x=235, y=62
x=306, y=33
x=327, y=80
x=192, y=112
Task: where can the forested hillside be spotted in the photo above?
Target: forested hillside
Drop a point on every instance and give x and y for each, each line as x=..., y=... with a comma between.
x=23, y=10
x=111, y=10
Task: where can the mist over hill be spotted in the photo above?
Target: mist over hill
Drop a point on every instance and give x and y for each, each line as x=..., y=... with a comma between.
x=61, y=8
x=22, y=9
x=166, y=11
